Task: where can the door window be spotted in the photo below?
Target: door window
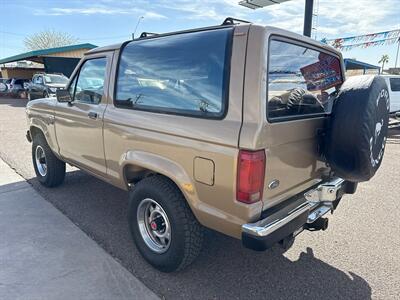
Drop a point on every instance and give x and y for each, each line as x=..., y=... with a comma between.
x=90, y=85
x=302, y=81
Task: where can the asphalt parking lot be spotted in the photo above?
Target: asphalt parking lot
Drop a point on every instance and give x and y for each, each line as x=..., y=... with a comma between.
x=356, y=258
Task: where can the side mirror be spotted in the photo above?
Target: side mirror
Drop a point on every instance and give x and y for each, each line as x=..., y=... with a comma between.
x=63, y=95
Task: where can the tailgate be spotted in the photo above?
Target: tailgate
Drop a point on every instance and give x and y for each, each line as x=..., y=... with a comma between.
x=292, y=160
x=290, y=85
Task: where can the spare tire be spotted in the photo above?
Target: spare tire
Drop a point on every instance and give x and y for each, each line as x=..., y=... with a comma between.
x=358, y=128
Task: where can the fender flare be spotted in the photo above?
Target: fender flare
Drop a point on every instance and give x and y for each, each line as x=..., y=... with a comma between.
x=163, y=166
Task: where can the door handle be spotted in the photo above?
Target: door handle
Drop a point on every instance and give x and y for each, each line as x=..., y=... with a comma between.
x=92, y=115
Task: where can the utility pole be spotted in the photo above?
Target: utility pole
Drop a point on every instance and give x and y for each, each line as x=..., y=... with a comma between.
x=308, y=17
x=308, y=14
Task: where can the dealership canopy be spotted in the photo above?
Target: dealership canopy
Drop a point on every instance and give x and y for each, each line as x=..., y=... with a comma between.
x=55, y=60
x=254, y=4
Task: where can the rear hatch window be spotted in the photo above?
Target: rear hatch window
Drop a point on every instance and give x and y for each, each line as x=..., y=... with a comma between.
x=302, y=81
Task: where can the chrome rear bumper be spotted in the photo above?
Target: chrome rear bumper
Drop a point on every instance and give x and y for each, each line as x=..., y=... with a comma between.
x=292, y=218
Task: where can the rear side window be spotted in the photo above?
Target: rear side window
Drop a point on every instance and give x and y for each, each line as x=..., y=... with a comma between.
x=302, y=81
x=181, y=74
x=395, y=84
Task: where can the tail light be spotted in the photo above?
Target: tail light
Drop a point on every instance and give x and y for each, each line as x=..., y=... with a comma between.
x=250, y=176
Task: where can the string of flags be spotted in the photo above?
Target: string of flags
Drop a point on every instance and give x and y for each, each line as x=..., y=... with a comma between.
x=365, y=41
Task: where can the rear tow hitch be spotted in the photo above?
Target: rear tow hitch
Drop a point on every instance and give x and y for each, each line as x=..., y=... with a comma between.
x=287, y=242
x=319, y=224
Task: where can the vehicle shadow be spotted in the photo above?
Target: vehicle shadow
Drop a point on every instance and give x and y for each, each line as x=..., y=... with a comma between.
x=224, y=269
x=14, y=102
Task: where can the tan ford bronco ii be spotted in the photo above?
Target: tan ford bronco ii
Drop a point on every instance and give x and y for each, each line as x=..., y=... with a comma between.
x=249, y=130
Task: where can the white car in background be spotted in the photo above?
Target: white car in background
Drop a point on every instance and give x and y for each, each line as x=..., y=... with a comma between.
x=393, y=83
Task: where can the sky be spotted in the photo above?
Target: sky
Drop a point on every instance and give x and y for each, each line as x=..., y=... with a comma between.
x=104, y=22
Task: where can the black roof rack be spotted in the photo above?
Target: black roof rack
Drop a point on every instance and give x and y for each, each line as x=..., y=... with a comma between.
x=227, y=22
x=233, y=21
x=147, y=34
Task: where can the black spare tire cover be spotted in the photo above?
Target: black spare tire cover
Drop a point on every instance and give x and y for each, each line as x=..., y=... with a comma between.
x=358, y=128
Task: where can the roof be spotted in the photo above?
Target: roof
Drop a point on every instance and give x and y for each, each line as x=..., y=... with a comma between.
x=352, y=64
x=45, y=52
x=106, y=48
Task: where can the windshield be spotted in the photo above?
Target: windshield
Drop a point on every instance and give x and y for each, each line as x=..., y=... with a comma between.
x=55, y=79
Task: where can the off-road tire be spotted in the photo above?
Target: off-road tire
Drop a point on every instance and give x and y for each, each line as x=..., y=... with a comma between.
x=55, y=167
x=186, y=232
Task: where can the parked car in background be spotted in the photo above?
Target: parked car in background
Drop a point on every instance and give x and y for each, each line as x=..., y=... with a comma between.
x=393, y=83
x=3, y=85
x=45, y=85
x=17, y=87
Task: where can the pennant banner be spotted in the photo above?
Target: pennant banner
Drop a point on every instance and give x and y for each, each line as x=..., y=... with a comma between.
x=365, y=41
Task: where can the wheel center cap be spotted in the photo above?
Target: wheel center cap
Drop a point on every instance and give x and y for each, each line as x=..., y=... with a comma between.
x=153, y=225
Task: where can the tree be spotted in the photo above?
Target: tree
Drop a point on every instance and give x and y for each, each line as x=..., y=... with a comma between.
x=49, y=39
x=384, y=59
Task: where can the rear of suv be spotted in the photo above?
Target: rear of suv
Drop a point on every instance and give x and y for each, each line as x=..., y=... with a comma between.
x=245, y=129
x=17, y=87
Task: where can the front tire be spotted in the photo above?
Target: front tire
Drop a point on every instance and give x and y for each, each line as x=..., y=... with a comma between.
x=162, y=225
x=50, y=171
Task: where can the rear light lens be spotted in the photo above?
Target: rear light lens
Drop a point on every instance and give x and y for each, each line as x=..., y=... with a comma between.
x=250, y=177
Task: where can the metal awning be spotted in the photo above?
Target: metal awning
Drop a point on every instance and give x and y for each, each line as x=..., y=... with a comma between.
x=38, y=55
x=254, y=4
x=352, y=64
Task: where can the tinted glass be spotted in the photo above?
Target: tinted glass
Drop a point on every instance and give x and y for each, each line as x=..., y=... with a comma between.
x=395, y=84
x=55, y=79
x=183, y=73
x=301, y=81
x=90, y=85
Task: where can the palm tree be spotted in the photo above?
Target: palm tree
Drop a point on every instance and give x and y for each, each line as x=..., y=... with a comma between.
x=384, y=59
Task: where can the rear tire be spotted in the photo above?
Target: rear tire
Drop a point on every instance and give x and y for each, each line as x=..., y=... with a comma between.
x=186, y=234
x=50, y=171
x=22, y=95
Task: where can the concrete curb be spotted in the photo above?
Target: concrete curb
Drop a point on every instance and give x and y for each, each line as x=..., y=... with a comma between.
x=45, y=256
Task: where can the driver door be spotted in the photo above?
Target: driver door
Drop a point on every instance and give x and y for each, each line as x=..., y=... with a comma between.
x=79, y=124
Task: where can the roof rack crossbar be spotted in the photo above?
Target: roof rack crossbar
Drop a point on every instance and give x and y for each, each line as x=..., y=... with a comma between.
x=147, y=34
x=233, y=21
